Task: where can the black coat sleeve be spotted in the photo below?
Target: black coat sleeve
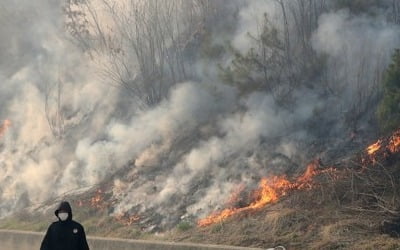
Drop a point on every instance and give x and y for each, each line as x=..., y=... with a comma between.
x=83, y=245
x=46, y=240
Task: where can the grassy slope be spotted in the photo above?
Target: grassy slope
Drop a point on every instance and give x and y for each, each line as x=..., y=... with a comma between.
x=344, y=213
x=339, y=214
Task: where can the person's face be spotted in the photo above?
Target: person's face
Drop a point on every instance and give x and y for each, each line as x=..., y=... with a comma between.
x=63, y=215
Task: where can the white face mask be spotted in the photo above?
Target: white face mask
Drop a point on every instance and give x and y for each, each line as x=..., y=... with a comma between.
x=63, y=216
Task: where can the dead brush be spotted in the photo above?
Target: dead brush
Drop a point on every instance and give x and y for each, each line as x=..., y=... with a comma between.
x=376, y=190
x=286, y=224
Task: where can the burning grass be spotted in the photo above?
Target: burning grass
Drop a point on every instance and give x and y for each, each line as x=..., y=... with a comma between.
x=269, y=191
x=336, y=215
x=374, y=147
x=339, y=207
x=321, y=209
x=272, y=189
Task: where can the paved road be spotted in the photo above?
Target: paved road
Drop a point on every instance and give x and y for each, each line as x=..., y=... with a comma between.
x=22, y=240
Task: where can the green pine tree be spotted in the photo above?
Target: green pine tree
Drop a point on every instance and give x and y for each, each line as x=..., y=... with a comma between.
x=389, y=107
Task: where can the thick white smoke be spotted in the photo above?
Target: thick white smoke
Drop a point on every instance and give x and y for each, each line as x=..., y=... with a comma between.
x=70, y=129
x=358, y=48
x=251, y=20
x=37, y=63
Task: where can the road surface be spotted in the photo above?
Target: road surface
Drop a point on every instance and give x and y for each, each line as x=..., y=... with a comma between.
x=22, y=240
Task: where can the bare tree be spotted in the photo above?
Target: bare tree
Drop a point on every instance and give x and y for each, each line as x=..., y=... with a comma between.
x=143, y=42
x=304, y=14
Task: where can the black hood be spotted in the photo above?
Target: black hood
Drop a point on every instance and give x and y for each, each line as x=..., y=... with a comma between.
x=65, y=206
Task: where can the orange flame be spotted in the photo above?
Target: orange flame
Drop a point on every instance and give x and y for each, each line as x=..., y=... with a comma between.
x=394, y=143
x=4, y=127
x=374, y=147
x=126, y=219
x=269, y=191
x=382, y=149
x=97, y=201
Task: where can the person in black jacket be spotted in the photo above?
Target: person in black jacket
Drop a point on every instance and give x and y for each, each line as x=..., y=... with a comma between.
x=65, y=234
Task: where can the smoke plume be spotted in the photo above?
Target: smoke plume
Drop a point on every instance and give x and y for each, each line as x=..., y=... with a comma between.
x=72, y=128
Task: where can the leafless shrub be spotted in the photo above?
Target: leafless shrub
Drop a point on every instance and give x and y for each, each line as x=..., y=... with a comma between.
x=140, y=44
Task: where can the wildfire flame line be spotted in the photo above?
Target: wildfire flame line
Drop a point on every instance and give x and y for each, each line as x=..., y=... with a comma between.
x=98, y=201
x=382, y=149
x=271, y=189
x=126, y=219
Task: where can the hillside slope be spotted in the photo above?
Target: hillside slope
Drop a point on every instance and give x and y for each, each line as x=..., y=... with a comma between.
x=352, y=204
x=355, y=207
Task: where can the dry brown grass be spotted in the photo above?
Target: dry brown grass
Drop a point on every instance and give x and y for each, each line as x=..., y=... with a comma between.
x=344, y=213
x=373, y=242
